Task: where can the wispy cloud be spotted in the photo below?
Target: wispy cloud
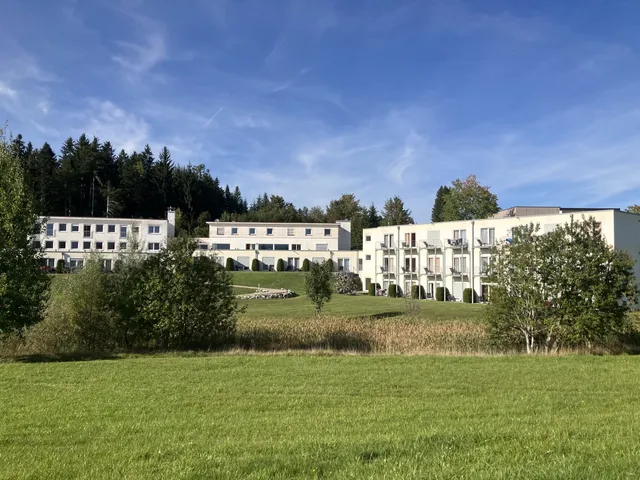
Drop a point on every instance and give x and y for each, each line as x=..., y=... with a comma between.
x=7, y=91
x=108, y=121
x=147, y=51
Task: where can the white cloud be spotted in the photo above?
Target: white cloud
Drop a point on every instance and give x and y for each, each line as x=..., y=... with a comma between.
x=7, y=91
x=107, y=121
x=142, y=57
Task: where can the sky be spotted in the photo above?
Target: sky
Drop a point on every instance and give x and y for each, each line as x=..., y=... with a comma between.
x=310, y=99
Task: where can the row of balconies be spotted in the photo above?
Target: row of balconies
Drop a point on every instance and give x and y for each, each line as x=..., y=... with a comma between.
x=437, y=244
x=480, y=271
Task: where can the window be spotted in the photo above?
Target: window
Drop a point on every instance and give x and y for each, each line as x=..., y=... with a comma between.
x=98, y=245
x=360, y=265
x=487, y=236
x=111, y=228
x=368, y=257
x=202, y=246
x=86, y=231
x=220, y=231
x=49, y=229
x=252, y=231
x=123, y=231
x=307, y=231
x=250, y=246
x=234, y=230
x=269, y=231
x=154, y=246
x=434, y=265
x=99, y=228
x=62, y=245
x=290, y=232
x=36, y=244
x=460, y=264
x=123, y=245
x=62, y=227
x=74, y=245
x=221, y=246
x=153, y=229
x=322, y=246
x=111, y=245
x=107, y=265
x=136, y=230
x=484, y=265
x=327, y=232
x=344, y=265
x=367, y=238
x=410, y=240
x=75, y=228
x=410, y=264
x=460, y=235
x=48, y=244
x=281, y=246
x=388, y=241
x=265, y=246
x=296, y=246
x=86, y=245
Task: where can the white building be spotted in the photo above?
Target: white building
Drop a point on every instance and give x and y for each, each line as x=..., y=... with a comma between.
x=292, y=242
x=72, y=239
x=455, y=254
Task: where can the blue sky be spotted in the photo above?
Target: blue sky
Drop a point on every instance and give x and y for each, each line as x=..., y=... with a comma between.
x=311, y=99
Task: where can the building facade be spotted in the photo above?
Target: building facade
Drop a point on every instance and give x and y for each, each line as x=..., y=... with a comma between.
x=456, y=255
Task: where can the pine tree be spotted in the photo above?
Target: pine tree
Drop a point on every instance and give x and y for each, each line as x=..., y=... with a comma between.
x=394, y=212
x=437, y=213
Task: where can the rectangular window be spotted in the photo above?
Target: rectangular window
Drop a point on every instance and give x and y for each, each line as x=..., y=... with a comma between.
x=62, y=245
x=388, y=242
x=86, y=245
x=75, y=227
x=74, y=245
x=460, y=264
x=111, y=245
x=48, y=244
x=327, y=232
x=221, y=246
x=220, y=231
x=488, y=236
x=307, y=231
x=123, y=231
x=484, y=265
x=252, y=231
x=250, y=246
x=343, y=265
x=234, y=230
x=360, y=265
x=62, y=227
x=281, y=246
x=99, y=228
x=154, y=229
x=290, y=232
x=410, y=264
x=107, y=265
x=86, y=229
x=269, y=231
x=367, y=238
x=202, y=246
x=123, y=245
x=98, y=245
x=322, y=246
x=296, y=246
x=111, y=229
x=49, y=229
x=368, y=257
x=154, y=246
x=265, y=246
x=136, y=230
x=460, y=235
x=410, y=240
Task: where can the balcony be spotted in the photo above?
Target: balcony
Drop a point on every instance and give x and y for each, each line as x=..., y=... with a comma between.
x=486, y=243
x=432, y=244
x=458, y=272
x=408, y=271
x=430, y=271
x=457, y=242
x=387, y=271
x=408, y=246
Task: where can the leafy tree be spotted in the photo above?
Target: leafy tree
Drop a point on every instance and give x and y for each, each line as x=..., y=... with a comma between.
x=318, y=284
x=561, y=289
x=437, y=213
x=23, y=284
x=395, y=213
x=344, y=208
x=467, y=199
x=633, y=209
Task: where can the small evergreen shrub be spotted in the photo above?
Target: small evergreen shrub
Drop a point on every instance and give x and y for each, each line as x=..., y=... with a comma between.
x=280, y=265
x=60, y=266
x=306, y=265
x=347, y=283
x=330, y=265
x=418, y=292
x=467, y=295
x=255, y=265
x=372, y=290
x=229, y=266
x=393, y=291
x=440, y=292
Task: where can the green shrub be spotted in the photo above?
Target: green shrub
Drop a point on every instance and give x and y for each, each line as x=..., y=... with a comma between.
x=347, y=283
x=117, y=265
x=230, y=264
x=417, y=291
x=372, y=289
x=60, y=266
x=330, y=265
x=393, y=290
x=466, y=295
x=306, y=266
x=280, y=265
x=255, y=265
x=318, y=283
x=440, y=294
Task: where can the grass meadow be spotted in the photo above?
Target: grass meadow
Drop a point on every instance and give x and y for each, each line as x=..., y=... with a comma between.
x=340, y=416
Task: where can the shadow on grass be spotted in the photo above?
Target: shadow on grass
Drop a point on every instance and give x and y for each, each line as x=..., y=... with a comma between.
x=65, y=357
x=380, y=316
x=265, y=340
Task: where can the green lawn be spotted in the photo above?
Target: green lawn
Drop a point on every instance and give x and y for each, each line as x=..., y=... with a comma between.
x=322, y=417
x=285, y=280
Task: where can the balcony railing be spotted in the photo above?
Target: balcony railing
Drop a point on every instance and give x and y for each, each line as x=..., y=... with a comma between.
x=486, y=243
x=457, y=242
x=387, y=270
x=431, y=271
x=386, y=245
x=408, y=245
x=408, y=271
x=432, y=244
x=458, y=271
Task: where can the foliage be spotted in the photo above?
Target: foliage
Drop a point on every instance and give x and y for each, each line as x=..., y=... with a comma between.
x=229, y=264
x=633, y=209
x=417, y=292
x=440, y=294
x=393, y=291
x=560, y=289
x=330, y=265
x=467, y=199
x=255, y=265
x=348, y=283
x=437, y=213
x=372, y=290
x=467, y=295
x=306, y=265
x=189, y=300
x=23, y=284
x=280, y=265
x=319, y=285
x=60, y=266
x=395, y=213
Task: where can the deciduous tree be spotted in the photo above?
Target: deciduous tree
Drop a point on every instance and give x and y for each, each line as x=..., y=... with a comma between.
x=467, y=199
x=318, y=284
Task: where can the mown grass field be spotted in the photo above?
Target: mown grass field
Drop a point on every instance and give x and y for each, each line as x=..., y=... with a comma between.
x=321, y=417
x=283, y=280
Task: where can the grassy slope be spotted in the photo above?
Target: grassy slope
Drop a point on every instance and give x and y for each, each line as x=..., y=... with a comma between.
x=285, y=280
x=321, y=417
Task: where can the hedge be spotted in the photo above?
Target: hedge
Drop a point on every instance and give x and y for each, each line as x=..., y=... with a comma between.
x=229, y=266
x=466, y=295
x=280, y=265
x=60, y=266
x=372, y=290
x=440, y=294
x=418, y=292
x=255, y=265
x=393, y=290
x=330, y=264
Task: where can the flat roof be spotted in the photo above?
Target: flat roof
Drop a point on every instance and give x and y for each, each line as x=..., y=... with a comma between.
x=104, y=219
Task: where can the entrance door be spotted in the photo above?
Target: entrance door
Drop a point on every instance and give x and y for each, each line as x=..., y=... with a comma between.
x=431, y=292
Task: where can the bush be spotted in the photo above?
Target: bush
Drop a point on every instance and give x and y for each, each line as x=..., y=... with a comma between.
x=230, y=264
x=255, y=265
x=117, y=265
x=280, y=265
x=306, y=265
x=330, y=265
x=348, y=283
x=440, y=294
x=372, y=289
x=393, y=290
x=417, y=292
x=466, y=295
x=60, y=266
x=318, y=284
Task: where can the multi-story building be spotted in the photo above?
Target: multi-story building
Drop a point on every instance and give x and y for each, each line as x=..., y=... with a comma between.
x=455, y=255
x=72, y=239
x=292, y=242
